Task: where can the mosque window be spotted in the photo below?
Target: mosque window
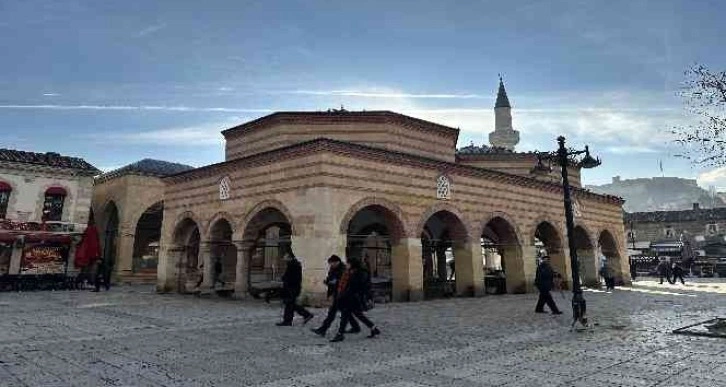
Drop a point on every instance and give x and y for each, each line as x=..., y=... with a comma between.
x=224, y=188
x=53, y=203
x=5, y=190
x=443, y=188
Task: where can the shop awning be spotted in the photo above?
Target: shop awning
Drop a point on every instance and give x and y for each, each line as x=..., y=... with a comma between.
x=56, y=191
x=5, y=186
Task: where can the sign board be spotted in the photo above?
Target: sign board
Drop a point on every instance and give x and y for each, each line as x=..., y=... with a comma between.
x=44, y=258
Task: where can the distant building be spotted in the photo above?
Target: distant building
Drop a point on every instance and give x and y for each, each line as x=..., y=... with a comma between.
x=45, y=199
x=659, y=194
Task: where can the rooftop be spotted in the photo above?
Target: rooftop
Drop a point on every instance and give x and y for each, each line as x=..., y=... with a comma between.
x=694, y=215
x=49, y=159
x=147, y=167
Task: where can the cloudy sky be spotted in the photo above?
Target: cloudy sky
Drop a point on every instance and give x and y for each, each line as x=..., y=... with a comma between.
x=117, y=81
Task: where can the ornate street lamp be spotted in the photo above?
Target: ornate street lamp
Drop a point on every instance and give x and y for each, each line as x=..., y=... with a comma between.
x=564, y=157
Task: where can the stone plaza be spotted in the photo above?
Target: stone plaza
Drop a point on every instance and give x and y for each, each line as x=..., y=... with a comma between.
x=132, y=336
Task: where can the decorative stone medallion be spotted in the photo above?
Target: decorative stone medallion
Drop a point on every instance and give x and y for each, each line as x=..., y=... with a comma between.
x=224, y=188
x=576, y=209
x=443, y=188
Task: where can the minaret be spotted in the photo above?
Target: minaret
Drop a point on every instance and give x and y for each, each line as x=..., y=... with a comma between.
x=503, y=136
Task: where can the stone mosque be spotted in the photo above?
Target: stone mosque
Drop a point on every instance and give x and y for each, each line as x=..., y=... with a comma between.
x=429, y=220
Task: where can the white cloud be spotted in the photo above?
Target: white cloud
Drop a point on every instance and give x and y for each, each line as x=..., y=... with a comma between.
x=151, y=29
x=379, y=94
x=139, y=108
x=715, y=177
x=50, y=94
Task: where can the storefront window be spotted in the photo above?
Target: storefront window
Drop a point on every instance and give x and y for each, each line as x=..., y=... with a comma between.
x=4, y=199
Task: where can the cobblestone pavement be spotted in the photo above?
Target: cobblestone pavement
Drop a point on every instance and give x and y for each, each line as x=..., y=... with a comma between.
x=131, y=336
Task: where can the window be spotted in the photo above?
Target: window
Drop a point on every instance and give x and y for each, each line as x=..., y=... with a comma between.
x=53, y=204
x=443, y=188
x=224, y=188
x=5, y=190
x=712, y=229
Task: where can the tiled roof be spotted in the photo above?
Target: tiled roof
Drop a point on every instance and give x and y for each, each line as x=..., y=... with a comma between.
x=47, y=159
x=480, y=150
x=147, y=167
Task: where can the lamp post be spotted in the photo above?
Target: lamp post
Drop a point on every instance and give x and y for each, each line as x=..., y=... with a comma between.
x=565, y=157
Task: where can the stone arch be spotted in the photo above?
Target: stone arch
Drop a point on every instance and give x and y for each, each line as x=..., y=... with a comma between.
x=191, y=216
x=504, y=216
x=186, y=240
x=259, y=207
x=221, y=215
x=607, y=245
x=444, y=252
x=441, y=207
x=500, y=238
x=553, y=242
x=223, y=253
x=587, y=259
x=110, y=227
x=147, y=237
x=400, y=226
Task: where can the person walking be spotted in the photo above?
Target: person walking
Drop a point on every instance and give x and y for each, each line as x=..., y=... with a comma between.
x=335, y=272
x=677, y=272
x=663, y=270
x=353, y=289
x=544, y=281
x=291, y=287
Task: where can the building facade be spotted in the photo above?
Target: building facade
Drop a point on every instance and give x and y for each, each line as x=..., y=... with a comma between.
x=387, y=188
x=45, y=199
x=129, y=207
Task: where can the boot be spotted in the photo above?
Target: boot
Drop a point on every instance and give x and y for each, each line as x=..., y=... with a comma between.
x=374, y=332
x=319, y=331
x=339, y=337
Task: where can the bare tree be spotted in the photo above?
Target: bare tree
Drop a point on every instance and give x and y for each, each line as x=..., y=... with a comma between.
x=704, y=94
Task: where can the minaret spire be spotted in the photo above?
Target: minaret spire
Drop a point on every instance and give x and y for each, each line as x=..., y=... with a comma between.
x=504, y=135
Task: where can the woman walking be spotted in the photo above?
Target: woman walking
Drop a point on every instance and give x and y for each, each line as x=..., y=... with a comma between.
x=352, y=292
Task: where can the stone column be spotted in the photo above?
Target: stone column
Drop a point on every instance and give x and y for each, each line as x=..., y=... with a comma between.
x=313, y=252
x=205, y=256
x=124, y=253
x=407, y=268
x=241, y=279
x=525, y=282
x=588, y=268
x=170, y=269
x=469, y=269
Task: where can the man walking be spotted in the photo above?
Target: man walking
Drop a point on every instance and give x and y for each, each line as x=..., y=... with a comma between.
x=291, y=287
x=352, y=291
x=337, y=268
x=544, y=280
x=677, y=271
x=664, y=270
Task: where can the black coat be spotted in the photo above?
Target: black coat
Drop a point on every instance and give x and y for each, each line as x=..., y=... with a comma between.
x=544, y=279
x=292, y=278
x=356, y=290
x=333, y=278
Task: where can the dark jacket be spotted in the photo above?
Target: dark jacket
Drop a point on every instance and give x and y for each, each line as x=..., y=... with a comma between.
x=332, y=279
x=292, y=278
x=544, y=279
x=356, y=289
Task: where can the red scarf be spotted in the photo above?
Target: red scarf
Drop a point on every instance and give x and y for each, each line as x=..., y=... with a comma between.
x=343, y=283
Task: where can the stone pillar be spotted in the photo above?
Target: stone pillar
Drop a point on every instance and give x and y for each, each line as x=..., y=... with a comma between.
x=313, y=252
x=241, y=279
x=124, y=253
x=205, y=256
x=170, y=270
x=525, y=282
x=469, y=269
x=407, y=268
x=588, y=268
x=15, y=258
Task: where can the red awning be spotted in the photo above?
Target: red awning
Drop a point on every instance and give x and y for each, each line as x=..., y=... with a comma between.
x=56, y=191
x=5, y=186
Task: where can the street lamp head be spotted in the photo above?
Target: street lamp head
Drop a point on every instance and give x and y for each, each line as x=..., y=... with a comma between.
x=589, y=161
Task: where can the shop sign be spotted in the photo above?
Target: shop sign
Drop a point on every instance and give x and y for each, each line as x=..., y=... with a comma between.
x=43, y=258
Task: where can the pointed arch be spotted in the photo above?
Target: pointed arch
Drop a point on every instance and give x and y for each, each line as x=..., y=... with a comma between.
x=442, y=207
x=398, y=224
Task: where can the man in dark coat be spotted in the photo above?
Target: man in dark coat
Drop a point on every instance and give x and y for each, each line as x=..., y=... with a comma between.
x=291, y=287
x=664, y=270
x=337, y=268
x=677, y=271
x=544, y=280
x=353, y=289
